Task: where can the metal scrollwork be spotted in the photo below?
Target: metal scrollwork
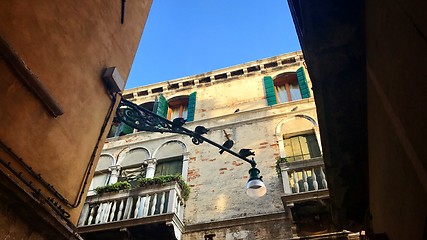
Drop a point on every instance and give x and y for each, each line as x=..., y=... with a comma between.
x=196, y=140
x=145, y=120
x=141, y=118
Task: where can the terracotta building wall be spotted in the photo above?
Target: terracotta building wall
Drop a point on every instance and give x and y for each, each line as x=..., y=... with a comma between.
x=66, y=45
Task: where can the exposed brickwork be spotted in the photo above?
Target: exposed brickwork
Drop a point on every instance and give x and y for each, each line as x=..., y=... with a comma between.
x=192, y=174
x=236, y=163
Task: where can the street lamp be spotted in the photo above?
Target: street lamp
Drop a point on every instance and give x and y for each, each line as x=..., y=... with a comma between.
x=145, y=120
x=255, y=186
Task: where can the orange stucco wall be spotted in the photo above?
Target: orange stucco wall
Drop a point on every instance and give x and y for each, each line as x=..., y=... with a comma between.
x=66, y=44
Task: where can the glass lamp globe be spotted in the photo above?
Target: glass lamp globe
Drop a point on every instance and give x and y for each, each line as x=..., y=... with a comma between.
x=255, y=187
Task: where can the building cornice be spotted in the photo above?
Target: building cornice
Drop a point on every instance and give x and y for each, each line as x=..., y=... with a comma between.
x=262, y=66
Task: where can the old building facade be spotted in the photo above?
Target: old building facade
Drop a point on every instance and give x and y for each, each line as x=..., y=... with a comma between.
x=266, y=106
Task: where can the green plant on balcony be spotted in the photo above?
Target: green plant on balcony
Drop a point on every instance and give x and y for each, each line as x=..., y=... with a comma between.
x=280, y=160
x=144, y=182
x=162, y=180
x=113, y=187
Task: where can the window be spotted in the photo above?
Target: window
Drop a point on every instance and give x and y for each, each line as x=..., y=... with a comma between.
x=286, y=87
x=119, y=129
x=102, y=174
x=99, y=180
x=178, y=108
x=182, y=106
x=301, y=147
x=172, y=166
x=148, y=105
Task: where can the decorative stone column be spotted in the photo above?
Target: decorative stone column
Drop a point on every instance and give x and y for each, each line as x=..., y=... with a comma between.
x=151, y=167
x=185, y=157
x=281, y=144
x=285, y=179
x=317, y=133
x=114, y=173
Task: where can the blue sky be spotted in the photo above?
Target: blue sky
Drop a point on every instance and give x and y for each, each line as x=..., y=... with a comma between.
x=184, y=38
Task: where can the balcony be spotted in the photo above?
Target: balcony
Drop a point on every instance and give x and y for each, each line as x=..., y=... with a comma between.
x=303, y=181
x=146, y=211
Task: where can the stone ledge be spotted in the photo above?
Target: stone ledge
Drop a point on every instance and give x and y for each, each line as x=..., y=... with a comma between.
x=235, y=222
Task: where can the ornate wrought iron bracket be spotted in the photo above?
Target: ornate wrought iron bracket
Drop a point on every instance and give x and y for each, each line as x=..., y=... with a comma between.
x=145, y=120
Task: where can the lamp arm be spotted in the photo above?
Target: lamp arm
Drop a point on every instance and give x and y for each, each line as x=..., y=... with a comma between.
x=145, y=120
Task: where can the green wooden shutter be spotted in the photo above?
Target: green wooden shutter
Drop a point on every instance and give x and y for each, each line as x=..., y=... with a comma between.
x=125, y=129
x=302, y=81
x=113, y=130
x=191, y=107
x=162, y=106
x=269, y=90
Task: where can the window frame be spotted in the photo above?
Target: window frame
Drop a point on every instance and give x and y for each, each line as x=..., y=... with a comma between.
x=172, y=159
x=286, y=80
x=180, y=102
x=309, y=147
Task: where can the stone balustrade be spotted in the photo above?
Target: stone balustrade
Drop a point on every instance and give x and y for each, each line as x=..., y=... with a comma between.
x=304, y=180
x=132, y=204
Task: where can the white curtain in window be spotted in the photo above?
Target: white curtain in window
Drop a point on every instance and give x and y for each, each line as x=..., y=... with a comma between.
x=184, y=112
x=281, y=94
x=295, y=92
x=175, y=113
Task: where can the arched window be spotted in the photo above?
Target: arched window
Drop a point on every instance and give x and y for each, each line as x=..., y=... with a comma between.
x=298, y=138
x=181, y=106
x=102, y=173
x=286, y=87
x=132, y=166
x=178, y=107
x=171, y=160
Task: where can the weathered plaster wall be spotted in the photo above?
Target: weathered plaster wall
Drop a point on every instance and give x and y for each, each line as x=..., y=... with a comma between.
x=67, y=45
x=396, y=49
x=223, y=96
x=254, y=228
x=218, y=181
